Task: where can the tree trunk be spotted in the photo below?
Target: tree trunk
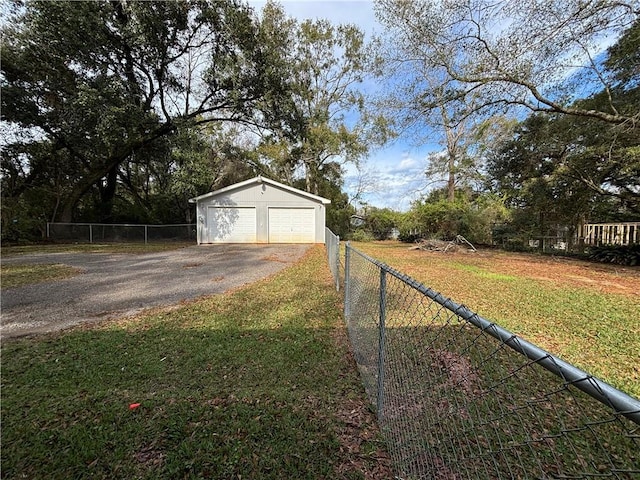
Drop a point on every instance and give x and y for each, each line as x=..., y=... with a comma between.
x=113, y=162
x=451, y=181
x=107, y=194
x=80, y=189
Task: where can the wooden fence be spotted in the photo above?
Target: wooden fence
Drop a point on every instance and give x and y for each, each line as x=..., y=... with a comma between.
x=626, y=233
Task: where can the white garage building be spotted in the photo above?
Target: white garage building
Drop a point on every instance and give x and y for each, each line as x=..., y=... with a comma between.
x=260, y=210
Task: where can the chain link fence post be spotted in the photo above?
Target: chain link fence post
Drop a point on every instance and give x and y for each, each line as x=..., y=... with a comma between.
x=347, y=281
x=337, y=264
x=381, y=342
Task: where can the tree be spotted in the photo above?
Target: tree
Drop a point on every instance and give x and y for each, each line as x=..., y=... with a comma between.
x=556, y=170
x=326, y=64
x=96, y=103
x=572, y=167
x=455, y=164
x=521, y=53
x=203, y=159
x=381, y=222
x=438, y=119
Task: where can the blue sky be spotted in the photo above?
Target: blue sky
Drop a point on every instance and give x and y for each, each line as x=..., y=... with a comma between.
x=395, y=173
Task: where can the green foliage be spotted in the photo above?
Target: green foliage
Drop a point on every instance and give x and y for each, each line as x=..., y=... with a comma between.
x=93, y=117
x=338, y=218
x=623, y=58
x=380, y=222
x=573, y=159
x=339, y=211
x=439, y=218
x=362, y=235
x=561, y=170
x=618, y=254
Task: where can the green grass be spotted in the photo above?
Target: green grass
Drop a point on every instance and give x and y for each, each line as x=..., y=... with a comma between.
x=485, y=412
x=458, y=404
x=94, y=248
x=25, y=274
x=254, y=384
x=482, y=272
x=596, y=330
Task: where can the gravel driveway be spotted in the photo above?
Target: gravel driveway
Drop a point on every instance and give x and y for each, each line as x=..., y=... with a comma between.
x=116, y=285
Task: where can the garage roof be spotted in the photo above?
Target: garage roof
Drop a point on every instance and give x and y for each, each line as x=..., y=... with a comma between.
x=257, y=180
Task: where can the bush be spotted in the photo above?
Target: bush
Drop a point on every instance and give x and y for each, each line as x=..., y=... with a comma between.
x=618, y=254
x=362, y=236
x=473, y=219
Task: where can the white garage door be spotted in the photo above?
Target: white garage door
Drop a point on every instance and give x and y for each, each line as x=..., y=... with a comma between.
x=231, y=224
x=292, y=225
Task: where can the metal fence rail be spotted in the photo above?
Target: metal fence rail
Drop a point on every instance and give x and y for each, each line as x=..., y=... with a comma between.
x=120, y=232
x=459, y=397
x=332, y=242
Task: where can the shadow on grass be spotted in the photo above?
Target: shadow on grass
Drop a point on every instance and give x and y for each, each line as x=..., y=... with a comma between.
x=257, y=384
x=459, y=404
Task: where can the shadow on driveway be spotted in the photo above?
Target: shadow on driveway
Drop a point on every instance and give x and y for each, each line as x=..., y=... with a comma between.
x=117, y=285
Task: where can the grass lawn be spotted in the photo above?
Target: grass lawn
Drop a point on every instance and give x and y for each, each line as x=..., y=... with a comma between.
x=587, y=314
x=94, y=248
x=254, y=384
x=19, y=275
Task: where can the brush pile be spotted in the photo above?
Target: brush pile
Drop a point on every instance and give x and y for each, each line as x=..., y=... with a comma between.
x=458, y=244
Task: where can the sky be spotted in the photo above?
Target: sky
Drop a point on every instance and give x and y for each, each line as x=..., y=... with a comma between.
x=394, y=173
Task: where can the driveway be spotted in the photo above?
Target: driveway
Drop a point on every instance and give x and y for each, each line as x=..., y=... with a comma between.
x=117, y=285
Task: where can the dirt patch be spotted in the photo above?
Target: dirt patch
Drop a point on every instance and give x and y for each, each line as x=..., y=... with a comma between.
x=558, y=270
x=150, y=457
x=567, y=271
x=459, y=372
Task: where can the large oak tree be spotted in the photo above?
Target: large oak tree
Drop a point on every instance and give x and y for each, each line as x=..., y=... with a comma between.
x=88, y=88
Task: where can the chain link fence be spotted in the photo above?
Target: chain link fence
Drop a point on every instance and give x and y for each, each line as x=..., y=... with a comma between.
x=120, y=232
x=458, y=397
x=332, y=243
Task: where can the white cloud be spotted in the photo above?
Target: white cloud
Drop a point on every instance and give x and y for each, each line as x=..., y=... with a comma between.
x=395, y=176
x=408, y=163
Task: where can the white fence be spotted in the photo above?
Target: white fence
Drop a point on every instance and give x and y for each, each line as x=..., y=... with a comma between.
x=626, y=233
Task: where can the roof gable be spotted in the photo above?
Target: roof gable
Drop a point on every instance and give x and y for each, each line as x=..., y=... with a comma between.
x=258, y=180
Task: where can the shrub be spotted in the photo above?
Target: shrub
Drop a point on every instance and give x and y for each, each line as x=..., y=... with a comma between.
x=618, y=254
x=441, y=219
x=361, y=235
